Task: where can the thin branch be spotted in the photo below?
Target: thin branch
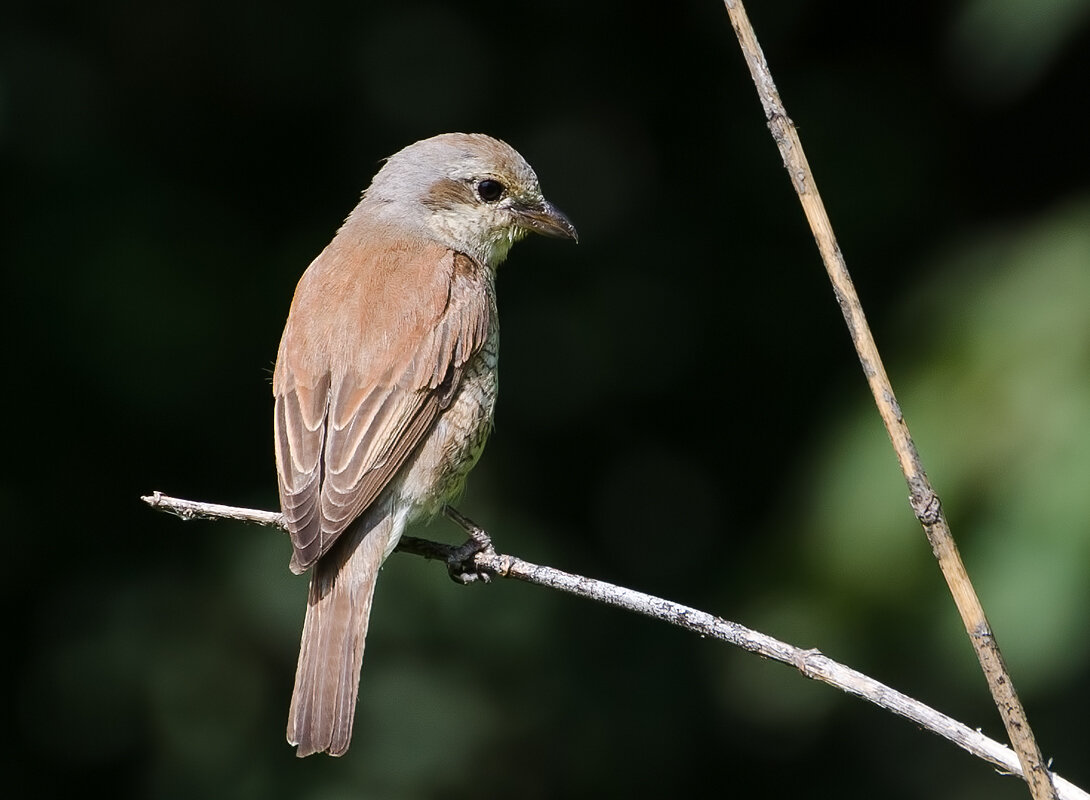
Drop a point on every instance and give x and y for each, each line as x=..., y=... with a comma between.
x=925, y=503
x=192, y=509
x=811, y=663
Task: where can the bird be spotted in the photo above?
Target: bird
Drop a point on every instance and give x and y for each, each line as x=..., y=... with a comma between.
x=385, y=385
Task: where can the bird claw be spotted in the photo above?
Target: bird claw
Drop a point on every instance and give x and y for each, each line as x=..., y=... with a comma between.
x=462, y=562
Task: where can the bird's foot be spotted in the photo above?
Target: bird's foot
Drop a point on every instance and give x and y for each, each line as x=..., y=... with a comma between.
x=462, y=561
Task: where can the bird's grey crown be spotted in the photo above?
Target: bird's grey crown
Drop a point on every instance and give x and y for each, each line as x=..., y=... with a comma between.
x=409, y=173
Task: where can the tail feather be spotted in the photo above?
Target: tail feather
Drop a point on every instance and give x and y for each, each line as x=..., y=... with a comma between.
x=327, y=678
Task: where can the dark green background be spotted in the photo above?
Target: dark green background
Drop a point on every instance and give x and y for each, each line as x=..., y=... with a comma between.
x=681, y=410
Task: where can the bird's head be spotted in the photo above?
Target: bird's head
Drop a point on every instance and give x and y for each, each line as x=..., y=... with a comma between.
x=471, y=192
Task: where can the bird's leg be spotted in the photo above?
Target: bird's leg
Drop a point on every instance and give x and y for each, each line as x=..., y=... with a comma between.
x=460, y=561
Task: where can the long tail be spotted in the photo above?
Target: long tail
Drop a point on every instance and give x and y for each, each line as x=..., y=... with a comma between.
x=327, y=678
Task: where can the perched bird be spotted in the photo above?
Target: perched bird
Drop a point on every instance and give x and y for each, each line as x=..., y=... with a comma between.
x=385, y=383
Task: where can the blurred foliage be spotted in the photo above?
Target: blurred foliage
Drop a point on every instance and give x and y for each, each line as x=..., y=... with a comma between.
x=681, y=411
x=1004, y=47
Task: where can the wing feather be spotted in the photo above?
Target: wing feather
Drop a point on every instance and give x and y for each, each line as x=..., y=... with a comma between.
x=371, y=355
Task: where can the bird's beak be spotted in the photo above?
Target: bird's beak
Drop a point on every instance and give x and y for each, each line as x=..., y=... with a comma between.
x=548, y=220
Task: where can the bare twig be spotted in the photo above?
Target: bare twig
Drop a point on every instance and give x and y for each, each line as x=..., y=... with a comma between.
x=811, y=663
x=192, y=509
x=925, y=503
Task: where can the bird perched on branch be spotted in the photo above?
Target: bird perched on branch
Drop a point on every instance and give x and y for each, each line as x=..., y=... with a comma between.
x=385, y=383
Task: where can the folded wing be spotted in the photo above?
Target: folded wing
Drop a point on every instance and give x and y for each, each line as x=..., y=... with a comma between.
x=371, y=356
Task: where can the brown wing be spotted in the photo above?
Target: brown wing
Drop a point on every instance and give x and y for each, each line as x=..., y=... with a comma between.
x=372, y=353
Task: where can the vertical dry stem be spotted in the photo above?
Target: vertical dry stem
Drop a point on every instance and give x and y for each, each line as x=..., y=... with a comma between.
x=925, y=503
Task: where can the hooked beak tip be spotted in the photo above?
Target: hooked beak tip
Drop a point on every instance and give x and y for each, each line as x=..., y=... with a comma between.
x=548, y=220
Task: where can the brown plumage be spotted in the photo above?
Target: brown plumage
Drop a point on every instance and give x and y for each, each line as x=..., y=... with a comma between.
x=385, y=384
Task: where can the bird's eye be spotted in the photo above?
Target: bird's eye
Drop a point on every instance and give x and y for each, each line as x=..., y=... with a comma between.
x=489, y=190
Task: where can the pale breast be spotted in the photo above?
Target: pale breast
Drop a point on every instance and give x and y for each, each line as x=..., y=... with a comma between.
x=437, y=472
